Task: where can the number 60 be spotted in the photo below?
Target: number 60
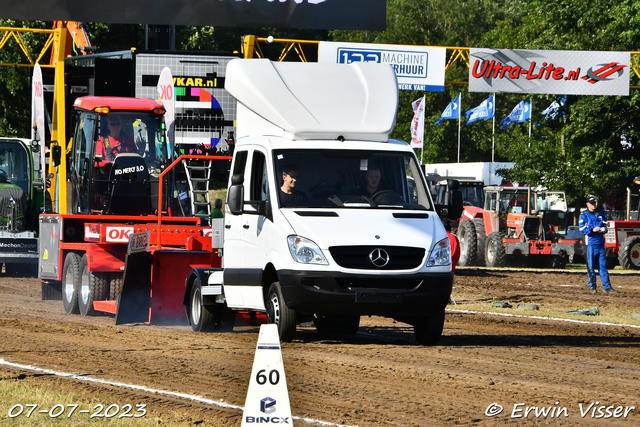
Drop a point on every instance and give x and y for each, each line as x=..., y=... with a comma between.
x=274, y=377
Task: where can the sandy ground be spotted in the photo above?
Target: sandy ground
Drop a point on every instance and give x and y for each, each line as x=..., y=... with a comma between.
x=379, y=377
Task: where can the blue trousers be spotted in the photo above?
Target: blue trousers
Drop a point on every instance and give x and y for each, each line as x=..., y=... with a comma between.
x=597, y=259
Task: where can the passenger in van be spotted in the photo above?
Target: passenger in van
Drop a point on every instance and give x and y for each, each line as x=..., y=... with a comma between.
x=372, y=177
x=115, y=142
x=289, y=196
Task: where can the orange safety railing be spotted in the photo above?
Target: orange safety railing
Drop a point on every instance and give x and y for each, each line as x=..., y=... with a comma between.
x=164, y=172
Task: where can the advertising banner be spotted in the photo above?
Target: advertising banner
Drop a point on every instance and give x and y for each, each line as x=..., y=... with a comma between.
x=549, y=71
x=166, y=90
x=417, y=124
x=37, y=101
x=417, y=67
x=204, y=112
x=299, y=14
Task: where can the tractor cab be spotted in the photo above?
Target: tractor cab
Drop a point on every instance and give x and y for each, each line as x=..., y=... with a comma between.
x=119, y=150
x=509, y=209
x=552, y=206
x=15, y=185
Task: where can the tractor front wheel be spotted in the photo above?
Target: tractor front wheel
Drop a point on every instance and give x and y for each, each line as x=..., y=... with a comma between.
x=495, y=254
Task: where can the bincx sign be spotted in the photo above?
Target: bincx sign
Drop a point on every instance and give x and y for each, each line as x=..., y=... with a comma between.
x=417, y=67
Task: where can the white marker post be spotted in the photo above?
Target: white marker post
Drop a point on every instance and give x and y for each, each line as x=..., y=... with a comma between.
x=268, y=398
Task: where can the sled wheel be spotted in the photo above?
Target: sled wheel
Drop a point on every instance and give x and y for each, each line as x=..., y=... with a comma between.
x=93, y=287
x=71, y=283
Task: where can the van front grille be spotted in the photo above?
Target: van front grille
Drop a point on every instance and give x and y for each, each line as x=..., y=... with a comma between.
x=360, y=257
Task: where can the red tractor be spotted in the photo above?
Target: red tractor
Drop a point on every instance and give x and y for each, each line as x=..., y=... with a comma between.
x=517, y=225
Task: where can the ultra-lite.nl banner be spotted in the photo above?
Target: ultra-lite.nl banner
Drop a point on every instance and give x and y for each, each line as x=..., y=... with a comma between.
x=549, y=71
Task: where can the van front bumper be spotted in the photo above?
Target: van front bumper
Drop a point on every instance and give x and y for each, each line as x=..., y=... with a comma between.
x=364, y=294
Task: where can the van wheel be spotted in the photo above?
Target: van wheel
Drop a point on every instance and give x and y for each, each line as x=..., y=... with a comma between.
x=428, y=329
x=468, y=243
x=208, y=318
x=71, y=283
x=93, y=287
x=280, y=314
x=495, y=253
x=337, y=325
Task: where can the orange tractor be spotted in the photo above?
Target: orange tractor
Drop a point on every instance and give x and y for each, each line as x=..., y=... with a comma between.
x=517, y=226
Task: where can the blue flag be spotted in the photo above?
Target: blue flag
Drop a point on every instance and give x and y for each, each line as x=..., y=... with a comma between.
x=521, y=113
x=482, y=111
x=551, y=113
x=452, y=111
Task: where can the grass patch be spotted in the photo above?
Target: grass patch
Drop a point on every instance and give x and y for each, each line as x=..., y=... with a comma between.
x=610, y=313
x=15, y=392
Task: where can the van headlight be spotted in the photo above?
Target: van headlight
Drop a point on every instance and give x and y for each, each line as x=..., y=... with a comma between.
x=441, y=254
x=305, y=251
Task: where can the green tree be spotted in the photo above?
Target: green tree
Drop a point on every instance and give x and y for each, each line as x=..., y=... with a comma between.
x=15, y=82
x=456, y=23
x=594, y=147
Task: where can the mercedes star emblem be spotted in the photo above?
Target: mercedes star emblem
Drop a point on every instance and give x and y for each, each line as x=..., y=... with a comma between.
x=379, y=257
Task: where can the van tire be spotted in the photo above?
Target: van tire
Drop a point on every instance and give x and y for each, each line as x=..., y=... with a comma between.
x=93, y=287
x=280, y=314
x=71, y=283
x=466, y=235
x=428, y=329
x=337, y=325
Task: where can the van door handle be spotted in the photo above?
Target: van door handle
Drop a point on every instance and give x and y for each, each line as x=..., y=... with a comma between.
x=246, y=226
x=227, y=226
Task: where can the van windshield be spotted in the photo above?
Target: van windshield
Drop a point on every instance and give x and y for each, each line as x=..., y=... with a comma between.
x=349, y=179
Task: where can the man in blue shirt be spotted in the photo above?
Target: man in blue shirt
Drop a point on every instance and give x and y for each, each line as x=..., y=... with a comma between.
x=593, y=224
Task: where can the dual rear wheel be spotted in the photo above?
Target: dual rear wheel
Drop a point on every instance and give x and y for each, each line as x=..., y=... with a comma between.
x=81, y=287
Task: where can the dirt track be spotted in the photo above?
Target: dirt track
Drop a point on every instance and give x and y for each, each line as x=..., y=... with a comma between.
x=379, y=377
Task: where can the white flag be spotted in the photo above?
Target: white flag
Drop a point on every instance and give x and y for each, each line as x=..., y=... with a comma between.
x=37, y=99
x=417, y=124
x=167, y=97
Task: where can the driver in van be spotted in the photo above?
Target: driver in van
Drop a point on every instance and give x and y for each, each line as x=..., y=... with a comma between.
x=372, y=177
x=115, y=142
x=288, y=194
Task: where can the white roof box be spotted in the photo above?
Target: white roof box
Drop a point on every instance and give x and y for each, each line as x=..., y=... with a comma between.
x=298, y=101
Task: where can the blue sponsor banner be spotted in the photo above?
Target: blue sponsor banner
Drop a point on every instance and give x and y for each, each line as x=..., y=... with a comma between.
x=417, y=68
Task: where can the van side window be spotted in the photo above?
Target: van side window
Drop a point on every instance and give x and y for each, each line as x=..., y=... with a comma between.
x=240, y=162
x=259, y=185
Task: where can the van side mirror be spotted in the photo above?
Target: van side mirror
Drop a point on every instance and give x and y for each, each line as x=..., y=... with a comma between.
x=235, y=198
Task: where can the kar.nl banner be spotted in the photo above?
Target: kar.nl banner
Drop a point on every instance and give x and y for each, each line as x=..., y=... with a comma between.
x=549, y=71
